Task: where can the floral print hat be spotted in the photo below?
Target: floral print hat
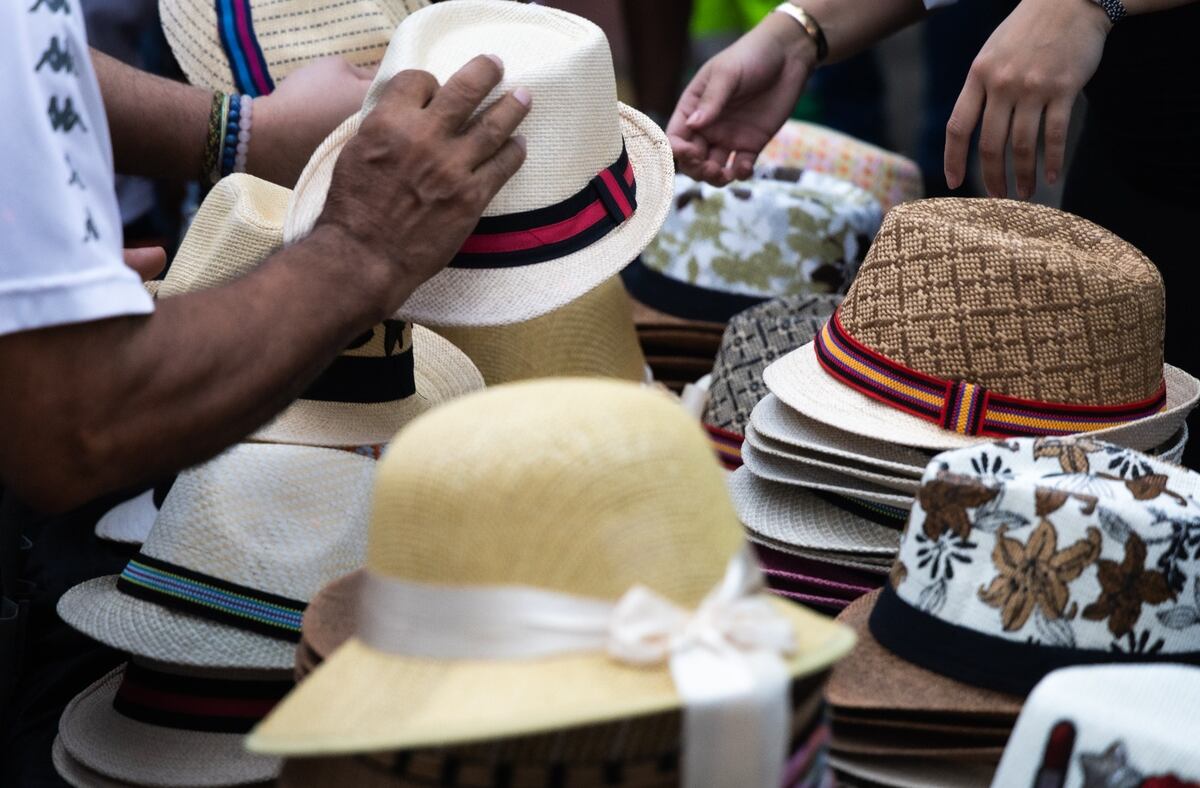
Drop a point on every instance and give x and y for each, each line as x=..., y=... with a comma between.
x=1024, y=556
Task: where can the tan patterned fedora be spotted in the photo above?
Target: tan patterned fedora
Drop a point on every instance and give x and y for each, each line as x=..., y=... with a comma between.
x=247, y=46
x=973, y=319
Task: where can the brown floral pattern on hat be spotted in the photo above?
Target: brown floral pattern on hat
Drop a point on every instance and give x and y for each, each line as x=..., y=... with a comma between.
x=1127, y=586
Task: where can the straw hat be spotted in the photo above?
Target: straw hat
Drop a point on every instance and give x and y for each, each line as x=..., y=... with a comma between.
x=783, y=471
x=145, y=723
x=891, y=178
x=248, y=46
x=130, y=521
x=860, y=471
x=1064, y=553
x=387, y=377
x=269, y=523
x=587, y=154
x=996, y=317
x=593, y=336
x=724, y=250
x=612, y=486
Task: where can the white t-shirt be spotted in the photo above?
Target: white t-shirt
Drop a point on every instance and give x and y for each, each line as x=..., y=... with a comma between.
x=60, y=228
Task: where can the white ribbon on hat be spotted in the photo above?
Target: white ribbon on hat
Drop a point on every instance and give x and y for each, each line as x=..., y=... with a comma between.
x=725, y=657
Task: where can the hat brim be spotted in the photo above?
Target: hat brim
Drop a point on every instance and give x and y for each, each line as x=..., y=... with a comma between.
x=442, y=371
x=500, y=296
x=800, y=382
x=872, y=677
x=794, y=516
x=776, y=469
x=97, y=609
x=129, y=522
x=879, y=565
x=903, y=484
x=363, y=700
x=919, y=772
x=100, y=740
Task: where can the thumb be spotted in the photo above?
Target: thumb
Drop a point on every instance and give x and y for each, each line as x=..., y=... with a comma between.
x=722, y=82
x=148, y=261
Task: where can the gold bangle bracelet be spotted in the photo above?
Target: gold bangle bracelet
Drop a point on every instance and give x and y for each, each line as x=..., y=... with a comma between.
x=810, y=25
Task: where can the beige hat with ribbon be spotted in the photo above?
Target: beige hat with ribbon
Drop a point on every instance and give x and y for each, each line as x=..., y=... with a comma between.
x=553, y=554
x=593, y=191
x=248, y=46
x=388, y=375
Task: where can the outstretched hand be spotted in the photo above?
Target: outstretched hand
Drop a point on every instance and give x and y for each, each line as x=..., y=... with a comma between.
x=1034, y=65
x=739, y=100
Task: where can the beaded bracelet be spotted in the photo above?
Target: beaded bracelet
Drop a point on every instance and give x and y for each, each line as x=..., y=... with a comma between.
x=235, y=144
x=209, y=171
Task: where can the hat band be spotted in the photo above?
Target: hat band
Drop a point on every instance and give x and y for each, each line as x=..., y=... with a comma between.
x=961, y=407
x=724, y=657
x=366, y=379
x=727, y=444
x=193, y=703
x=684, y=299
x=892, y=517
x=518, y=239
x=180, y=588
x=247, y=64
x=983, y=660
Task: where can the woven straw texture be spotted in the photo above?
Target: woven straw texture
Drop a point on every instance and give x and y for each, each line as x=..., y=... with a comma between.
x=914, y=772
x=574, y=130
x=794, y=516
x=239, y=224
x=592, y=336
x=291, y=34
x=861, y=471
x=776, y=469
x=281, y=519
x=610, y=485
x=754, y=340
x=98, y=738
x=1018, y=298
x=878, y=565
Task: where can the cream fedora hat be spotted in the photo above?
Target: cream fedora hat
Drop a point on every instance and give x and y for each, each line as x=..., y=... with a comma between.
x=248, y=46
x=240, y=546
x=575, y=491
x=595, y=186
x=593, y=336
x=387, y=377
x=973, y=319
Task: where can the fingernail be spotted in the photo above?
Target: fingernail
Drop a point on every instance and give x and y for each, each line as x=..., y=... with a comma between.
x=1051, y=176
x=521, y=141
x=496, y=59
x=695, y=118
x=522, y=95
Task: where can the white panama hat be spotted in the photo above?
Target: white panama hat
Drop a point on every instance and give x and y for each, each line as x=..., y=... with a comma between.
x=593, y=191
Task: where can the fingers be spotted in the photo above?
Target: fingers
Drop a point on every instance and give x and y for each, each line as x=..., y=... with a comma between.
x=713, y=168
x=1058, y=120
x=465, y=91
x=993, y=140
x=717, y=87
x=959, y=129
x=496, y=171
x=743, y=165
x=148, y=261
x=493, y=128
x=1025, y=122
x=410, y=88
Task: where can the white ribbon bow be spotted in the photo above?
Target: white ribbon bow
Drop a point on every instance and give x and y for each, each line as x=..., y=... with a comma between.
x=725, y=657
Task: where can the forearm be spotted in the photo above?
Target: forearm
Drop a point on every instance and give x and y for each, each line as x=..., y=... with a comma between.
x=158, y=126
x=100, y=406
x=851, y=27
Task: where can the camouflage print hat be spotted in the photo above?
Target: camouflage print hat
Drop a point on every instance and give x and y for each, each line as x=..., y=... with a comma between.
x=723, y=250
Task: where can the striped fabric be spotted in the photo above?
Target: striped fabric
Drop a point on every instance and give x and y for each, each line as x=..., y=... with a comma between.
x=727, y=445
x=180, y=588
x=194, y=703
x=961, y=407
x=246, y=60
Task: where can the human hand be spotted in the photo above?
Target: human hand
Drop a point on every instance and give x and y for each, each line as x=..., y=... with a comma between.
x=740, y=99
x=1034, y=64
x=148, y=261
x=304, y=109
x=410, y=187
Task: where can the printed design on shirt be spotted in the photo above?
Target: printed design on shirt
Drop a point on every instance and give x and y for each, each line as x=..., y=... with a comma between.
x=64, y=118
x=74, y=180
x=89, y=229
x=58, y=57
x=1113, y=769
x=53, y=6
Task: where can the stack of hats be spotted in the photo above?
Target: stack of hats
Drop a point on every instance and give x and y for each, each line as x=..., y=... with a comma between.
x=512, y=628
x=969, y=319
x=1061, y=552
x=724, y=250
x=209, y=611
x=799, y=145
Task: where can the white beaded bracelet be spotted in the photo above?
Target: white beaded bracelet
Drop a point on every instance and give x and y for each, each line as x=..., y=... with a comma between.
x=245, y=123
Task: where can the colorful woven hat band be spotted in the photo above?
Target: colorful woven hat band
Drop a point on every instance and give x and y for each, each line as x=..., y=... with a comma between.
x=193, y=703
x=370, y=379
x=246, y=61
x=518, y=239
x=180, y=588
x=965, y=408
x=727, y=444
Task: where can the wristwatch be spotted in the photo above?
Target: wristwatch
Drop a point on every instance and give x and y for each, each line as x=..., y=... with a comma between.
x=1114, y=8
x=810, y=26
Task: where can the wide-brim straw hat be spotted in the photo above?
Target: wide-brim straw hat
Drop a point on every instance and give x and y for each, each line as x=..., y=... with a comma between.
x=574, y=132
x=94, y=736
x=592, y=336
x=854, y=470
x=994, y=318
x=248, y=46
x=615, y=486
x=782, y=471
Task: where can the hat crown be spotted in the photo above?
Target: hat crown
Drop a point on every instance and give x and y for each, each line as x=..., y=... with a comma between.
x=1020, y=299
x=1062, y=542
x=581, y=487
x=281, y=519
x=573, y=127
